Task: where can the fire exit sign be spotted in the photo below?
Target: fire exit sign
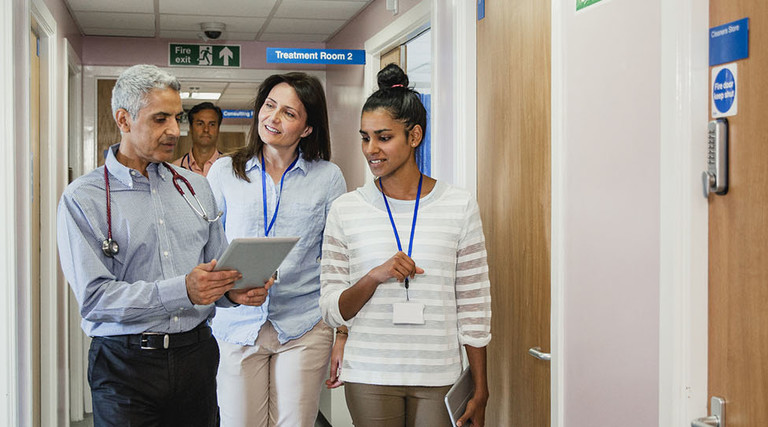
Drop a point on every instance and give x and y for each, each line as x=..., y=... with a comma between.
x=203, y=55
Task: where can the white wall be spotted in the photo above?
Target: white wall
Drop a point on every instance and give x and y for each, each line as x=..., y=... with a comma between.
x=606, y=193
x=16, y=364
x=345, y=92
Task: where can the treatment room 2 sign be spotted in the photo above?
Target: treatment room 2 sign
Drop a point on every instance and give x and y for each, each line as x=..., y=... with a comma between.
x=278, y=55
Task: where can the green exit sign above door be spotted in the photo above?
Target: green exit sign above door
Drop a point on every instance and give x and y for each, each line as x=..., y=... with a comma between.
x=581, y=4
x=203, y=55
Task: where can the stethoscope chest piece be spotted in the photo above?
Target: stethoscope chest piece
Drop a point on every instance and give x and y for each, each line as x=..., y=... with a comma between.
x=110, y=248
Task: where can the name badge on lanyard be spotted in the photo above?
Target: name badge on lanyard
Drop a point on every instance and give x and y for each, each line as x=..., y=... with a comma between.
x=409, y=312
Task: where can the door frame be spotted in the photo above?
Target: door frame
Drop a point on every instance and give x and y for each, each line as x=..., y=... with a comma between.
x=454, y=110
x=557, y=212
x=683, y=282
x=11, y=129
x=53, y=395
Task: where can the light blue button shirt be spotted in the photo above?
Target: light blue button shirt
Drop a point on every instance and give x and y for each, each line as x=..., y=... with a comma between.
x=161, y=239
x=308, y=190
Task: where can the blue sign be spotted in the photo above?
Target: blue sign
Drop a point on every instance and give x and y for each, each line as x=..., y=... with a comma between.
x=480, y=9
x=237, y=114
x=729, y=42
x=277, y=55
x=723, y=91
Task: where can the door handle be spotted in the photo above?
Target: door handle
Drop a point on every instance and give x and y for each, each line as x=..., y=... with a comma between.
x=537, y=353
x=717, y=419
x=710, y=421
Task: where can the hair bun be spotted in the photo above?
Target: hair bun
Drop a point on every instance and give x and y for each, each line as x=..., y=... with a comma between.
x=392, y=76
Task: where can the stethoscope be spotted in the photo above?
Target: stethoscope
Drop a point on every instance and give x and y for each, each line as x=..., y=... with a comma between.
x=111, y=248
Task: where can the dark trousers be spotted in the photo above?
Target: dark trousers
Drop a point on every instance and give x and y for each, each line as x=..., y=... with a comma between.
x=135, y=387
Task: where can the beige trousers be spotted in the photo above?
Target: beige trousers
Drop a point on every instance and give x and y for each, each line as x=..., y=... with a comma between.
x=397, y=406
x=269, y=384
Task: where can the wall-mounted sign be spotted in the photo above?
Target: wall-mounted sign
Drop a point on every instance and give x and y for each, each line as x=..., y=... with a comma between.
x=729, y=42
x=581, y=4
x=237, y=114
x=278, y=55
x=203, y=55
x=725, y=91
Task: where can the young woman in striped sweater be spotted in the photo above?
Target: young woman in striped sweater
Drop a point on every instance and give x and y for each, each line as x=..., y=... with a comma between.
x=404, y=268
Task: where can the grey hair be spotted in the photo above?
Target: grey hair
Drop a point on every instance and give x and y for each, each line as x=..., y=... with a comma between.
x=133, y=85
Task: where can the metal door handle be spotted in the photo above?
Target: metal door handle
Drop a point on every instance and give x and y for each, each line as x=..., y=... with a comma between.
x=710, y=421
x=717, y=419
x=537, y=353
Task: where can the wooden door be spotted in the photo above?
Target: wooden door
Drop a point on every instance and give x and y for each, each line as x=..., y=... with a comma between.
x=738, y=236
x=395, y=56
x=107, y=132
x=513, y=186
x=34, y=216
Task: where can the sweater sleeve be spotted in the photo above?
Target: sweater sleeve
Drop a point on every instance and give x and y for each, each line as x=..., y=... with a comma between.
x=334, y=270
x=473, y=296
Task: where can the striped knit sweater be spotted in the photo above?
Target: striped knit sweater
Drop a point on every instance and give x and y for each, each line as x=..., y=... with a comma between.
x=448, y=244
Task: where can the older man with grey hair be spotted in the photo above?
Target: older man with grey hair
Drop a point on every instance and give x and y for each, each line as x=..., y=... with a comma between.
x=138, y=239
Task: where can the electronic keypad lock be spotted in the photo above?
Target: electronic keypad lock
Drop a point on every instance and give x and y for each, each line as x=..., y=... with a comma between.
x=715, y=179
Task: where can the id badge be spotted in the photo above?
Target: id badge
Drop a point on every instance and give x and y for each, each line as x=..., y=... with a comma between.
x=408, y=313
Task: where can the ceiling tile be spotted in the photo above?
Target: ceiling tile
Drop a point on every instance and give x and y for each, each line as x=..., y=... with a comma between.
x=304, y=26
x=192, y=23
x=323, y=9
x=118, y=21
x=117, y=32
x=277, y=38
x=136, y=6
x=209, y=8
x=195, y=35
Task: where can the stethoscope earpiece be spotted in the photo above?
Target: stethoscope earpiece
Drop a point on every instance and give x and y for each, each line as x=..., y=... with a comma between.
x=110, y=248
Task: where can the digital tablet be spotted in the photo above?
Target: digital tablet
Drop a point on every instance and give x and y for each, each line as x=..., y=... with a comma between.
x=458, y=396
x=256, y=258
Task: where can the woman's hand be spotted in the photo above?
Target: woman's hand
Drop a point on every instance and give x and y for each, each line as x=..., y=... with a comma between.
x=399, y=266
x=337, y=357
x=475, y=412
x=251, y=296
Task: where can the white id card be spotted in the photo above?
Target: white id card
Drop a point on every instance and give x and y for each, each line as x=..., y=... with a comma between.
x=408, y=313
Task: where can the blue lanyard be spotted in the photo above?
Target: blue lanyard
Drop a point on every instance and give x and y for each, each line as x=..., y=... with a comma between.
x=264, y=193
x=413, y=226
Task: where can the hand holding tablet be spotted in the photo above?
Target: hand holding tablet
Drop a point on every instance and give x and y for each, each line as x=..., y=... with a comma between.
x=256, y=258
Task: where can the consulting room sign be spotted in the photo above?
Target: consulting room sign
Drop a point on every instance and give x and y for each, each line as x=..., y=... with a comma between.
x=203, y=55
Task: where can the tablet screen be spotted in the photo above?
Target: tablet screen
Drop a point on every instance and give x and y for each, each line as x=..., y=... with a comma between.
x=256, y=258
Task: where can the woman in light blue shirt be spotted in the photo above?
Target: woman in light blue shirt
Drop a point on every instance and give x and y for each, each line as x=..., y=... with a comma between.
x=274, y=357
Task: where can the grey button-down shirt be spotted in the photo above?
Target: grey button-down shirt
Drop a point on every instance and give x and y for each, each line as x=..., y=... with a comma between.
x=161, y=239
